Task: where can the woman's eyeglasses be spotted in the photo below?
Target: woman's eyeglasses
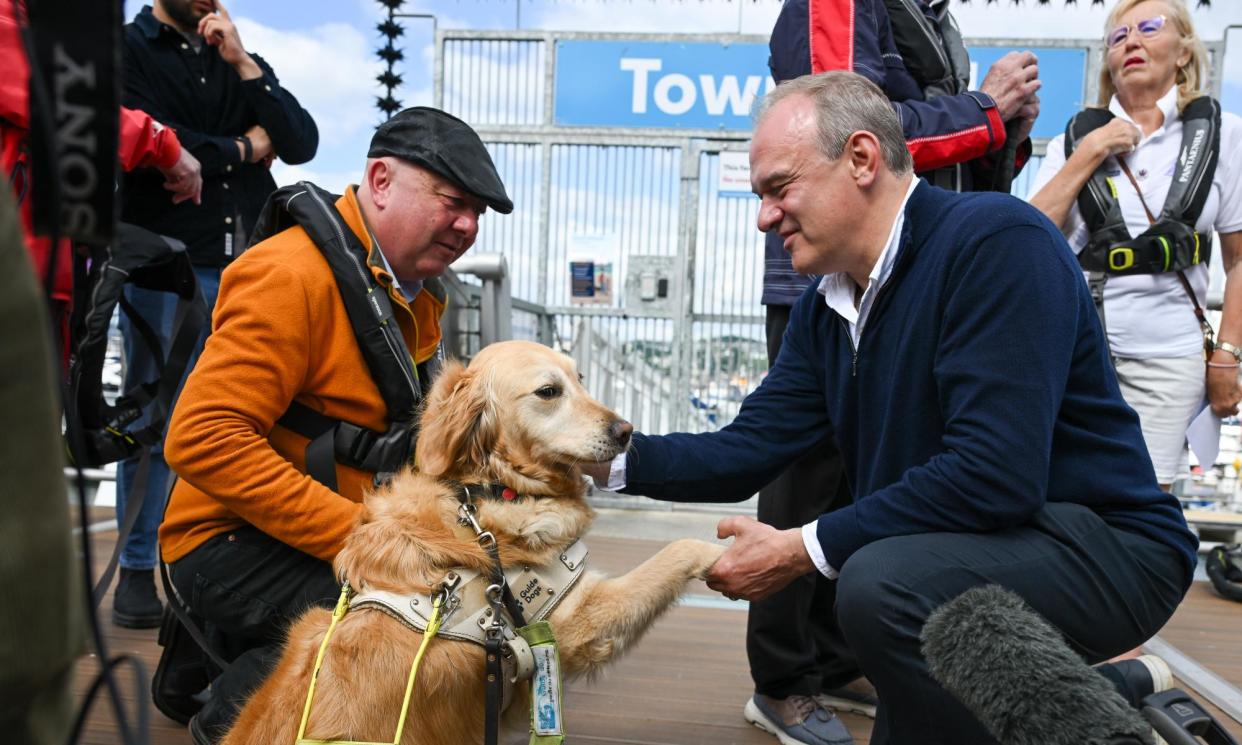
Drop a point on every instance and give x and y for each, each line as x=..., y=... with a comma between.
x=1146, y=29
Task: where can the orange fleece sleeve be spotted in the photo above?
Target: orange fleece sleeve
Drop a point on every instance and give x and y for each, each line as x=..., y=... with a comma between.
x=255, y=362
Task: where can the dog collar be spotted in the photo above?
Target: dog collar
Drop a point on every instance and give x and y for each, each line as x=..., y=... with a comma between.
x=493, y=491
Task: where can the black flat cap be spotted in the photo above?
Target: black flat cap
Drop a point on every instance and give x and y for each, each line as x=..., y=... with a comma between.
x=445, y=145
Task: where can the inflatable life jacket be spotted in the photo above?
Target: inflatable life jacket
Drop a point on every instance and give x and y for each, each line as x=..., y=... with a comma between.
x=1171, y=244
x=934, y=54
x=370, y=312
x=1224, y=569
x=931, y=47
x=99, y=432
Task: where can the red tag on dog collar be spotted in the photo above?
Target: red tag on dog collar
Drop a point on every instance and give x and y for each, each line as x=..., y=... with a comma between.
x=509, y=494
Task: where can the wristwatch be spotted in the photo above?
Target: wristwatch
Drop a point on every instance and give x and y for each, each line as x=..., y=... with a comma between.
x=247, y=148
x=1231, y=349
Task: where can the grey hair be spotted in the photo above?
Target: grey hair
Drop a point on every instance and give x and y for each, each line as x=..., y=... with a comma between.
x=845, y=103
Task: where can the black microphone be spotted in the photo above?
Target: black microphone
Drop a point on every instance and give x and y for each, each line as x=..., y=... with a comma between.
x=1016, y=674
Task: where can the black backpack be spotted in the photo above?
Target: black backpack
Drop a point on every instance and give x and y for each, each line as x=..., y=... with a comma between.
x=99, y=432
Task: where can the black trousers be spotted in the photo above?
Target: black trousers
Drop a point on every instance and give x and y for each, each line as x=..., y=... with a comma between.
x=247, y=587
x=793, y=641
x=1107, y=591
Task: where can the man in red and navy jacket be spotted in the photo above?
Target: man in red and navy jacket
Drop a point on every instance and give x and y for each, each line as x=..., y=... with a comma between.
x=913, y=50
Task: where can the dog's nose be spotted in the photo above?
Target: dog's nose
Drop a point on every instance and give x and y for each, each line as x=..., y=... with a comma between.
x=621, y=431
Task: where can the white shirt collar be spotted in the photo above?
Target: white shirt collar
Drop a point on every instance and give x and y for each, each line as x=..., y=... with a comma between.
x=838, y=288
x=1167, y=105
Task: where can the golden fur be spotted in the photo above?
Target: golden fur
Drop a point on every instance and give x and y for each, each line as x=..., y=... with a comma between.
x=518, y=416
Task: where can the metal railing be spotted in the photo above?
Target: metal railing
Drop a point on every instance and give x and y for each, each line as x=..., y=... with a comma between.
x=483, y=312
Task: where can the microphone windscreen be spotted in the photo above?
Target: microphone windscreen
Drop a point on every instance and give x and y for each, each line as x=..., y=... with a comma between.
x=1016, y=674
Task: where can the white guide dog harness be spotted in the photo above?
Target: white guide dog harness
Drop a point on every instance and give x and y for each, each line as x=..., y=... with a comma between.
x=467, y=612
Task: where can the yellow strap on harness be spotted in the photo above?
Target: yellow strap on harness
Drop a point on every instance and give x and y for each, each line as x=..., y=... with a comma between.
x=342, y=605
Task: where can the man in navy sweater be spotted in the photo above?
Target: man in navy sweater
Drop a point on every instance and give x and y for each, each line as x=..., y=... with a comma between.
x=960, y=139
x=953, y=349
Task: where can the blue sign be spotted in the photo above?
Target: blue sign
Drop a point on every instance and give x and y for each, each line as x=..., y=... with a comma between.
x=710, y=85
x=685, y=85
x=1063, y=72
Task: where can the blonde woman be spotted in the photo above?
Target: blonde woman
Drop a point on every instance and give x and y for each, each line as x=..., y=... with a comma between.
x=1150, y=175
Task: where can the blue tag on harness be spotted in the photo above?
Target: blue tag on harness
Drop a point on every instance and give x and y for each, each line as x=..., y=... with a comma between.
x=547, y=725
x=545, y=690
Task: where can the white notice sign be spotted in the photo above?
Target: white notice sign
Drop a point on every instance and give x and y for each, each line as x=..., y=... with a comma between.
x=733, y=178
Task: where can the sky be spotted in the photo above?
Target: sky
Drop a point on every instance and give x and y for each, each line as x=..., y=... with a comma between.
x=324, y=50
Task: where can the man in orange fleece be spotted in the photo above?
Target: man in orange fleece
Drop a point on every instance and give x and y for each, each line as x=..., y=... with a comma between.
x=248, y=535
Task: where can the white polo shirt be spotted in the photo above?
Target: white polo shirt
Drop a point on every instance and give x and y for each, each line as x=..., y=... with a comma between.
x=1150, y=315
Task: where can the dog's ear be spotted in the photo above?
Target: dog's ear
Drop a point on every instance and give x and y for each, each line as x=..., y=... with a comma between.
x=455, y=431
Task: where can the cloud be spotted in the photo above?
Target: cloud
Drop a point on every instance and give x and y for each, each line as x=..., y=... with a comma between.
x=1231, y=72
x=1231, y=97
x=701, y=16
x=331, y=70
x=333, y=181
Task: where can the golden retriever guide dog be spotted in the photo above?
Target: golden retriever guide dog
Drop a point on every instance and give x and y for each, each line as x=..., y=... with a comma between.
x=517, y=416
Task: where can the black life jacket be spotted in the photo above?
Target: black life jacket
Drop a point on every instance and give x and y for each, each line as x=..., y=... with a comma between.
x=370, y=312
x=931, y=47
x=1224, y=569
x=1171, y=244
x=98, y=432
x=934, y=54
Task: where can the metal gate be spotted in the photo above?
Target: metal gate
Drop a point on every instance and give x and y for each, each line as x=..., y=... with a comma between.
x=640, y=197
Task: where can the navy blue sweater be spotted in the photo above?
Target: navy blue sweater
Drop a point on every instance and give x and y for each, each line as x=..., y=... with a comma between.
x=981, y=389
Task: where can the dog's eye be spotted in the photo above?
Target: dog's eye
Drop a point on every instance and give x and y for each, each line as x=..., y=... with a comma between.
x=548, y=392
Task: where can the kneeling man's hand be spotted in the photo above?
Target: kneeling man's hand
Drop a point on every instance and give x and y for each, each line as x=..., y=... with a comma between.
x=760, y=561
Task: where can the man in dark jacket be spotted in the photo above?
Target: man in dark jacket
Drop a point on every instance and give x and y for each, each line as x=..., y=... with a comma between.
x=953, y=349
x=960, y=139
x=186, y=66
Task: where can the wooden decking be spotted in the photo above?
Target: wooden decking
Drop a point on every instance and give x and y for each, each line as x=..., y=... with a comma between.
x=686, y=682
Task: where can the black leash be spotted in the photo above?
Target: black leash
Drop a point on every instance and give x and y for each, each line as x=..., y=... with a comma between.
x=501, y=599
x=466, y=500
x=495, y=683
x=133, y=506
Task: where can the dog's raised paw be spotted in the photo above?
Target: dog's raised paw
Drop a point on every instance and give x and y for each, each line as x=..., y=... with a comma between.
x=700, y=554
x=601, y=651
x=710, y=555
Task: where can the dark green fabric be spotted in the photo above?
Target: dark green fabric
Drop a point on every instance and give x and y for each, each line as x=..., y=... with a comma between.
x=41, y=627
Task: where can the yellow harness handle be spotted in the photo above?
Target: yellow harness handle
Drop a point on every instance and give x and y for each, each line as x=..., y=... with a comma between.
x=342, y=606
